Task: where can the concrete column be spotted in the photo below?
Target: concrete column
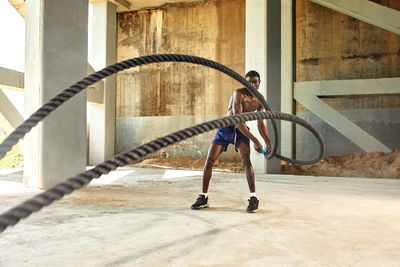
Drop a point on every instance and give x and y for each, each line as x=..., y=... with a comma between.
x=274, y=71
x=263, y=54
x=102, y=52
x=55, y=57
x=287, y=133
x=256, y=59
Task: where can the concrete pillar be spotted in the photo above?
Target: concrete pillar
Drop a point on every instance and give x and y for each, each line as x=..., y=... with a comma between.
x=287, y=132
x=102, y=52
x=256, y=59
x=263, y=54
x=274, y=72
x=55, y=57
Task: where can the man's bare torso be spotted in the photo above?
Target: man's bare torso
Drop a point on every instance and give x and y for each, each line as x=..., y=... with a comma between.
x=248, y=102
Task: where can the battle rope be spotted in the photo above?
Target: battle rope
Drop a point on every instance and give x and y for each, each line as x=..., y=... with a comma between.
x=14, y=215
x=58, y=100
x=57, y=192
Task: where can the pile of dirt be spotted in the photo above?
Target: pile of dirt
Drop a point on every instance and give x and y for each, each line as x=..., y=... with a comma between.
x=371, y=165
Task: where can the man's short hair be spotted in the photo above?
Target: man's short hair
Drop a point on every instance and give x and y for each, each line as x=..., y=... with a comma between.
x=253, y=73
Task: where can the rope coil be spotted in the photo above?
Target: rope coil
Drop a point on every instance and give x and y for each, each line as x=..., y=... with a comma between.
x=34, y=204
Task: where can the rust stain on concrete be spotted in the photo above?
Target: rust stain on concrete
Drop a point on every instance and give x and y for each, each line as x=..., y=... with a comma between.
x=210, y=29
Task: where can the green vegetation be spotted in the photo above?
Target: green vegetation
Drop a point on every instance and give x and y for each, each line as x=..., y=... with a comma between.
x=13, y=159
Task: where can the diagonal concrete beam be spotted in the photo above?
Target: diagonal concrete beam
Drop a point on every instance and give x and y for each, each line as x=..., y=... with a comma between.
x=11, y=79
x=307, y=94
x=367, y=11
x=379, y=86
x=14, y=80
x=9, y=112
x=343, y=125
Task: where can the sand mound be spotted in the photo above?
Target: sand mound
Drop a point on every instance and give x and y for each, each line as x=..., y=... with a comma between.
x=371, y=165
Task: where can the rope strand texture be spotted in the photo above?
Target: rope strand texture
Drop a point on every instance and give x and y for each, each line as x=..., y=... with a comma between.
x=14, y=215
x=34, y=204
x=58, y=100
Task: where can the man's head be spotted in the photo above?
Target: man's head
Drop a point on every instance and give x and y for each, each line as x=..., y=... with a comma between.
x=254, y=78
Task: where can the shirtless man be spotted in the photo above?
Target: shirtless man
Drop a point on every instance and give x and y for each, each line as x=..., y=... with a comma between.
x=241, y=101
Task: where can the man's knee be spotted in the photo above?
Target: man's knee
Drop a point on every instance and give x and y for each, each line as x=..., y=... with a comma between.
x=246, y=160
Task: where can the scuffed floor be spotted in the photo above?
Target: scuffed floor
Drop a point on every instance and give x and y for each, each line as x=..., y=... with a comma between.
x=141, y=217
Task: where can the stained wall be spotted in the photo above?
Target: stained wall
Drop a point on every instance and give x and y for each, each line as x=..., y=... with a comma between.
x=160, y=98
x=334, y=46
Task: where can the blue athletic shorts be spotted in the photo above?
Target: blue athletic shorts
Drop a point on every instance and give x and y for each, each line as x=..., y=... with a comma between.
x=230, y=135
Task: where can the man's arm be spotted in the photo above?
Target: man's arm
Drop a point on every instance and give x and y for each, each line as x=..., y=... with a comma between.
x=263, y=130
x=237, y=108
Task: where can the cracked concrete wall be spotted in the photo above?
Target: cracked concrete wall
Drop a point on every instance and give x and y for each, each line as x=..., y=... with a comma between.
x=180, y=93
x=334, y=46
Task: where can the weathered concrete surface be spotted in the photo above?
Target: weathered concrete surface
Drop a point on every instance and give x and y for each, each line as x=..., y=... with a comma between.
x=334, y=46
x=129, y=136
x=210, y=29
x=256, y=59
x=11, y=79
x=122, y=5
x=382, y=124
x=141, y=217
x=55, y=57
x=102, y=54
x=9, y=111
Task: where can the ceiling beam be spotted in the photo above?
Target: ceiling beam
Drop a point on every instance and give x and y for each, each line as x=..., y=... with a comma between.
x=380, y=86
x=14, y=80
x=11, y=79
x=367, y=11
x=122, y=5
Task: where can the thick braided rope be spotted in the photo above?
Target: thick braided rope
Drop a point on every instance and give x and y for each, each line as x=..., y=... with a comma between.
x=58, y=100
x=14, y=215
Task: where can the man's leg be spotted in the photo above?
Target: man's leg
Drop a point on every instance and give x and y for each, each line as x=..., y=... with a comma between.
x=244, y=149
x=212, y=156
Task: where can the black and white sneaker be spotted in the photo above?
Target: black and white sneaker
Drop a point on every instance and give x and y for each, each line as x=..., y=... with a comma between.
x=253, y=205
x=201, y=202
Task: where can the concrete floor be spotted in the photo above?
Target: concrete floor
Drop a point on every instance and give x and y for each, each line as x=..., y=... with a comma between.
x=142, y=217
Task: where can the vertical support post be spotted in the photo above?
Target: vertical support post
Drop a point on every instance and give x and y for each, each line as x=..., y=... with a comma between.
x=287, y=77
x=274, y=71
x=55, y=58
x=256, y=59
x=102, y=53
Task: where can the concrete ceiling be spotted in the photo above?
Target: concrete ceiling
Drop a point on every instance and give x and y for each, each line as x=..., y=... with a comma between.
x=122, y=5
